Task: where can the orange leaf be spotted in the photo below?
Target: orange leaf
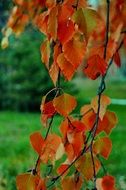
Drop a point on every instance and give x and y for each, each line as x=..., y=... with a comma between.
x=78, y=126
x=26, y=182
x=103, y=146
x=65, y=31
x=52, y=23
x=65, y=66
x=45, y=53
x=117, y=59
x=70, y=183
x=54, y=69
x=108, y=123
x=89, y=119
x=64, y=128
x=54, y=72
x=50, y=148
x=104, y=102
x=74, y=50
x=62, y=168
x=50, y=3
x=37, y=142
x=106, y=183
x=47, y=110
x=77, y=141
x=69, y=151
x=42, y=22
x=95, y=66
x=64, y=104
x=85, y=166
x=85, y=109
x=65, y=12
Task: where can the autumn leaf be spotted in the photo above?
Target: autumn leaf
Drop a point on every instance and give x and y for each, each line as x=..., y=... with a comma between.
x=69, y=183
x=54, y=69
x=89, y=119
x=26, y=182
x=65, y=31
x=76, y=47
x=117, y=59
x=42, y=21
x=65, y=12
x=86, y=19
x=104, y=102
x=50, y=3
x=54, y=72
x=64, y=104
x=106, y=183
x=69, y=151
x=30, y=182
x=45, y=53
x=103, y=146
x=51, y=150
x=47, y=110
x=96, y=66
x=85, y=166
x=37, y=142
x=65, y=66
x=62, y=169
x=78, y=126
x=108, y=123
x=52, y=23
x=64, y=128
x=4, y=43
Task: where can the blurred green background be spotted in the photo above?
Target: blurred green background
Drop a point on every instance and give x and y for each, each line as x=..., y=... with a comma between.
x=23, y=82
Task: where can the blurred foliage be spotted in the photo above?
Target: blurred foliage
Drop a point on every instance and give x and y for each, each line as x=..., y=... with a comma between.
x=23, y=78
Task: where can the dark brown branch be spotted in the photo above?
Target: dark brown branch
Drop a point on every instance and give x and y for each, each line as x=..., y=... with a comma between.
x=123, y=32
x=107, y=27
x=103, y=167
x=100, y=91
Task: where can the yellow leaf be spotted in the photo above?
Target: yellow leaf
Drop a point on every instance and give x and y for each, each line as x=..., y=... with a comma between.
x=85, y=166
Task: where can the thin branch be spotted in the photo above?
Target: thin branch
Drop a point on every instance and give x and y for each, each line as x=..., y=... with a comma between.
x=100, y=90
x=49, y=127
x=123, y=32
x=103, y=167
x=107, y=28
x=34, y=171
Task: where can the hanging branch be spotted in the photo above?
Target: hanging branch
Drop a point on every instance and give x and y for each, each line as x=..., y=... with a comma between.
x=57, y=89
x=100, y=91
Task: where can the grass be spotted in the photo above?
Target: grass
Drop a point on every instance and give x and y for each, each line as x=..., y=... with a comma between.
x=17, y=156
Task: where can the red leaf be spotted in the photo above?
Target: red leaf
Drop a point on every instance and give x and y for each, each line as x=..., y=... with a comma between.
x=37, y=142
x=65, y=66
x=117, y=59
x=74, y=50
x=62, y=168
x=106, y=183
x=65, y=31
x=103, y=146
x=45, y=53
x=95, y=66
